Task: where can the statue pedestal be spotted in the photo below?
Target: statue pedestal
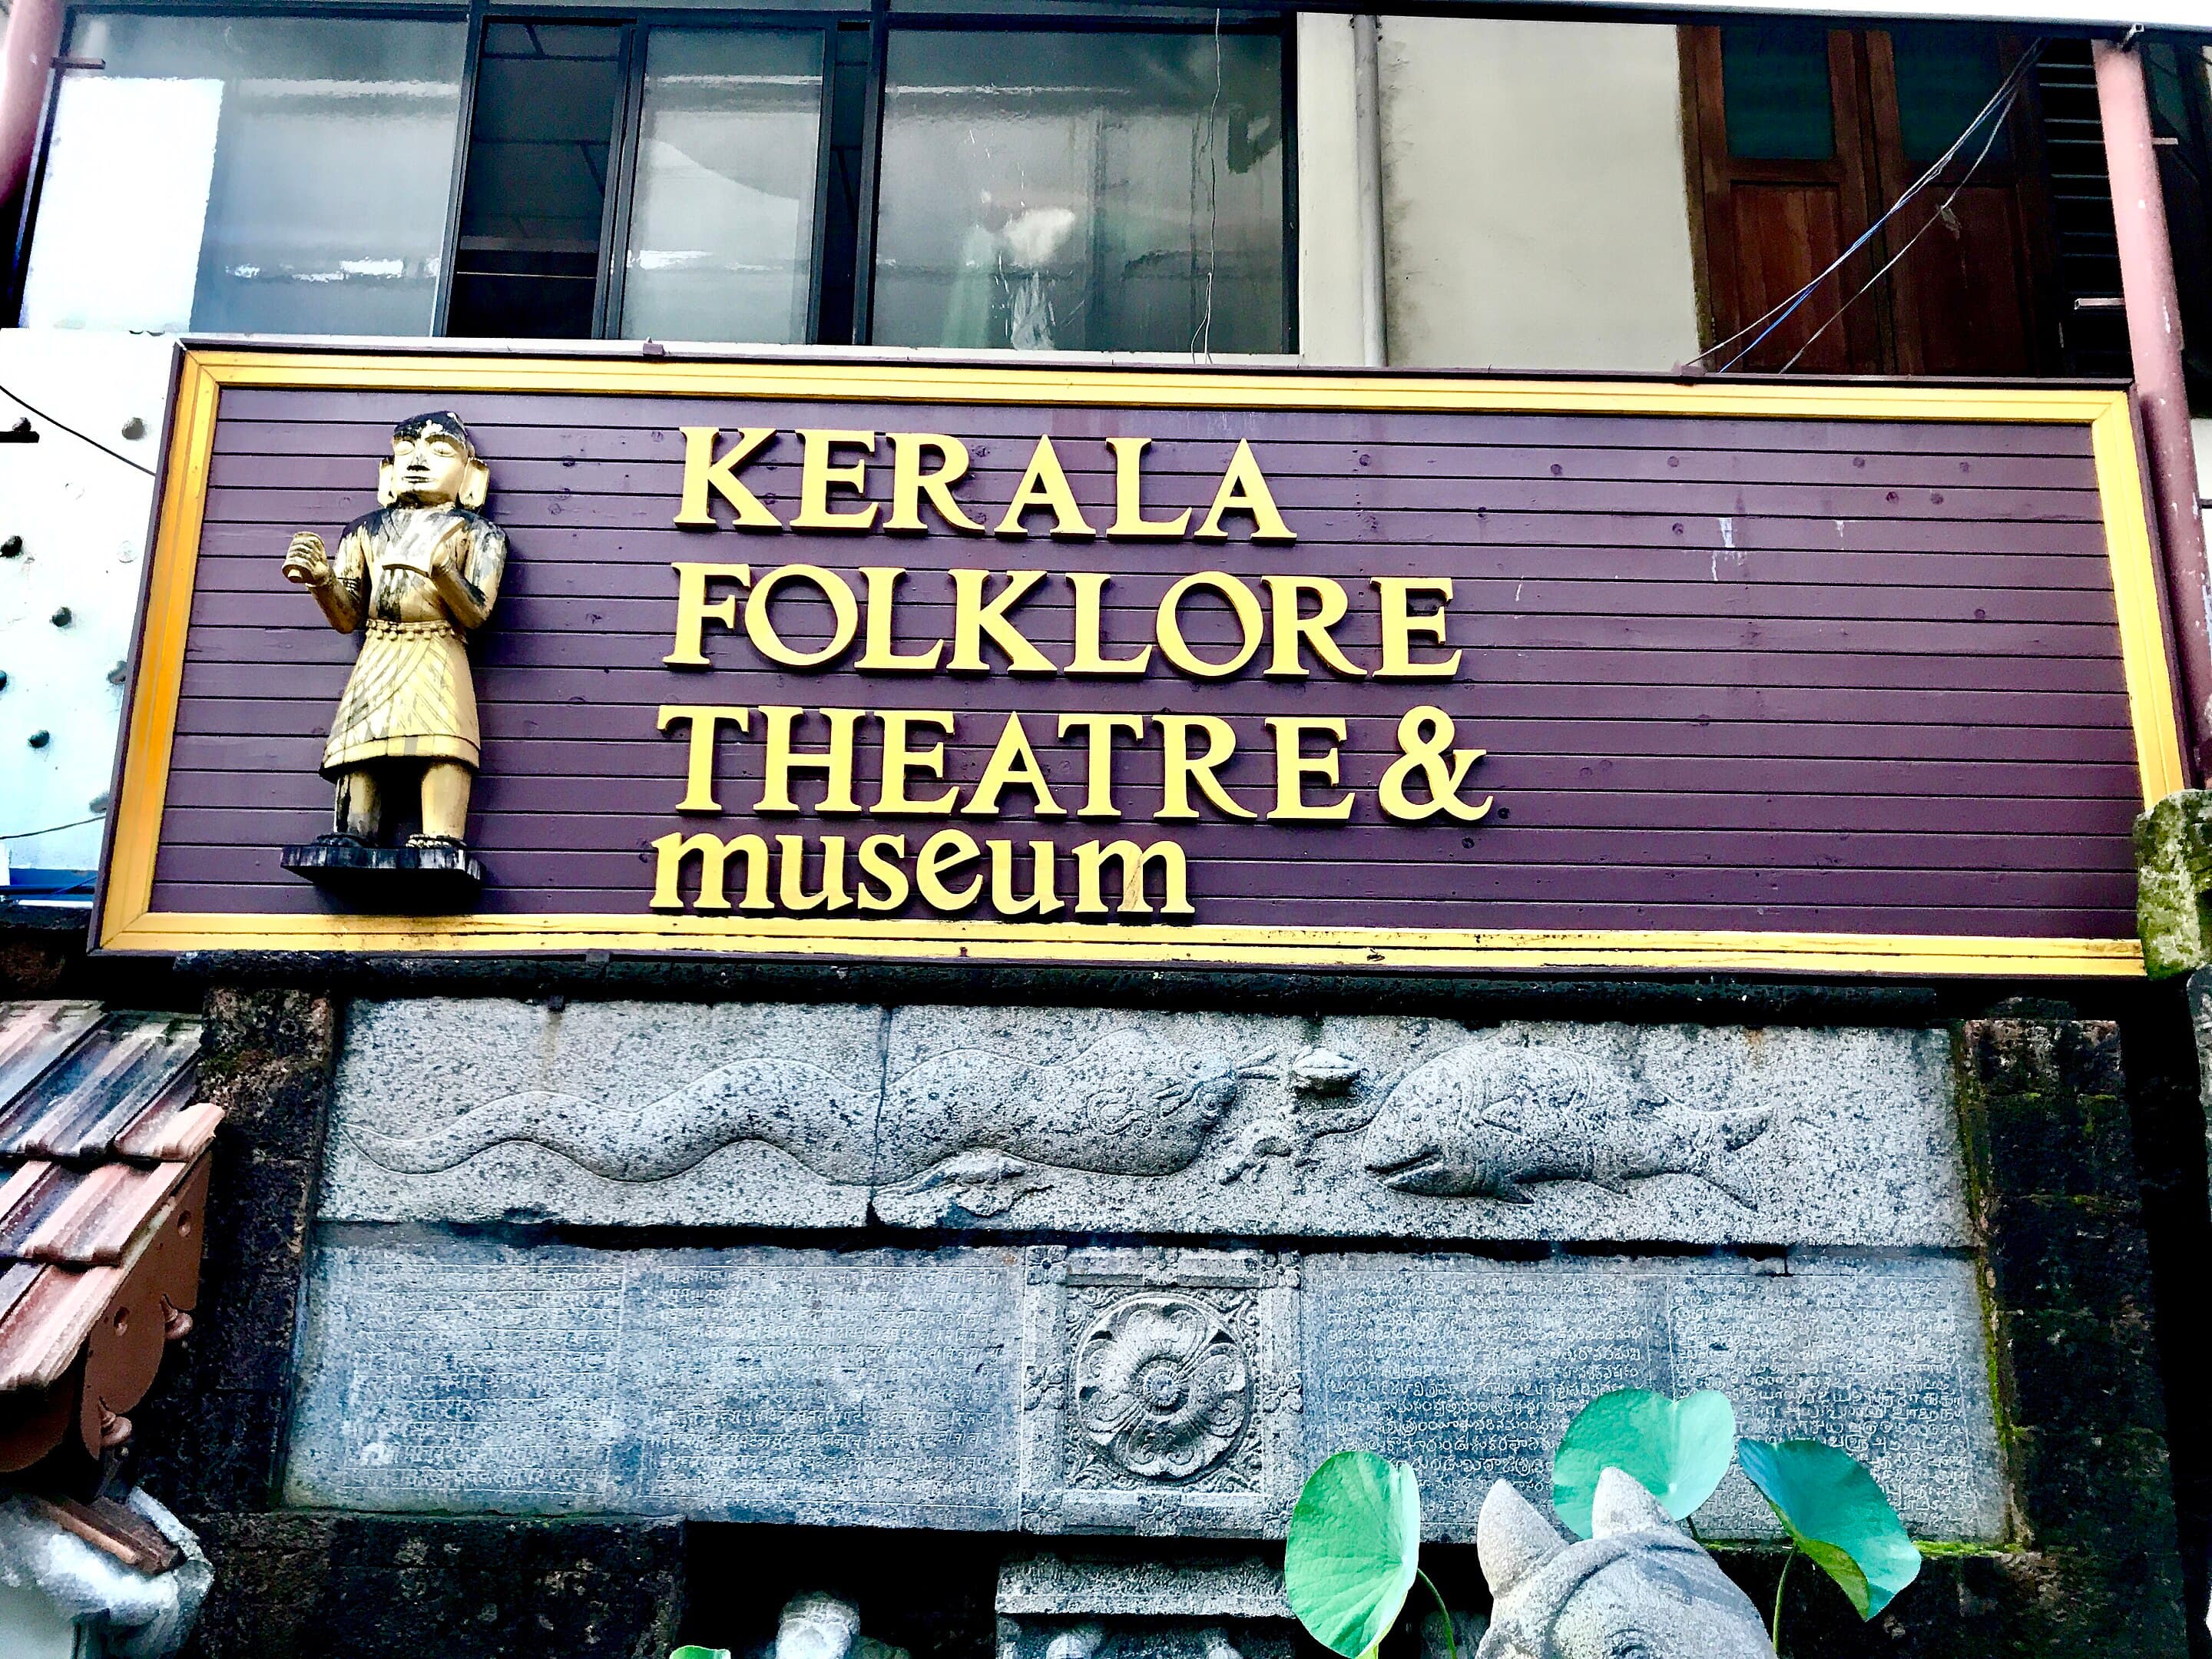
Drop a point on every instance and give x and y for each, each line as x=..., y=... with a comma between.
x=429, y=880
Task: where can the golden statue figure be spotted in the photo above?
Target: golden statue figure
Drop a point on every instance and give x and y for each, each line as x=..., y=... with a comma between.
x=416, y=576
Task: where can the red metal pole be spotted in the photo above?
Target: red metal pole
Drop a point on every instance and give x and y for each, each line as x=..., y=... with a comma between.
x=2154, y=307
x=26, y=49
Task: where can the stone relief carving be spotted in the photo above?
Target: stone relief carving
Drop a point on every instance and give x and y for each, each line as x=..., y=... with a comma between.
x=1161, y=1389
x=1638, y=1585
x=1163, y=1386
x=1474, y=1122
x=974, y=1119
x=1130, y=1121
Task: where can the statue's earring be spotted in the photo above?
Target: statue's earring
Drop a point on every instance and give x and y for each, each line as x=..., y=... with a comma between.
x=386, y=490
x=476, y=486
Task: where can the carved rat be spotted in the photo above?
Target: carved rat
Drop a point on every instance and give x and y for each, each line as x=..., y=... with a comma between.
x=1126, y=1105
x=1478, y=1122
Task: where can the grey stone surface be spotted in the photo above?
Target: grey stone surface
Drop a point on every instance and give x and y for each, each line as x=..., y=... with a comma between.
x=1104, y=1120
x=872, y=1388
x=1638, y=1585
x=1173, y=1391
x=620, y=1114
x=1472, y=1370
x=1190, y=1585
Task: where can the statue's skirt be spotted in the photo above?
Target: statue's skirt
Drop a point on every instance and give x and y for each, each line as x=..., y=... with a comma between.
x=408, y=698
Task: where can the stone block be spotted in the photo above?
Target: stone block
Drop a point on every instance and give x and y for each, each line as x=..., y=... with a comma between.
x=612, y=1113
x=1471, y=1369
x=1194, y=1607
x=1052, y=1390
x=1132, y=1122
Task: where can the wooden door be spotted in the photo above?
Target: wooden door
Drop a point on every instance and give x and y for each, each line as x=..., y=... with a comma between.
x=1802, y=134
x=1785, y=171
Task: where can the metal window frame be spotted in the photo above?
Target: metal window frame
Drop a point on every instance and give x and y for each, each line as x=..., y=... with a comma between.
x=1277, y=18
x=1279, y=21
x=13, y=279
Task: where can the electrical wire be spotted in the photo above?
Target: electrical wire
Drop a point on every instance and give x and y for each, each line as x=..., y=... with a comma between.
x=15, y=396
x=1890, y=264
x=54, y=828
x=1767, y=323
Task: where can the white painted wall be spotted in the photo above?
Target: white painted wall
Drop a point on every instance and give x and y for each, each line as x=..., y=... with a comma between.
x=82, y=517
x=1536, y=202
x=1330, y=293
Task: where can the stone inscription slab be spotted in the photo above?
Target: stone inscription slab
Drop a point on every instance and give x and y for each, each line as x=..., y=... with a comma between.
x=911, y=1388
x=1127, y=1122
x=874, y=1389
x=1472, y=1370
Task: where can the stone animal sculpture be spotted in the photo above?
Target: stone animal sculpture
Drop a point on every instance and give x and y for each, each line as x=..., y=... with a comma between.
x=1479, y=1120
x=972, y=1117
x=1638, y=1586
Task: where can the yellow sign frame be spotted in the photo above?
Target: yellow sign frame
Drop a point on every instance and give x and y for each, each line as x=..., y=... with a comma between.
x=126, y=920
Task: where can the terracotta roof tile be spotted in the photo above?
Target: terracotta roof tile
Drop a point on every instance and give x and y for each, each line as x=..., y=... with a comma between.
x=102, y=1170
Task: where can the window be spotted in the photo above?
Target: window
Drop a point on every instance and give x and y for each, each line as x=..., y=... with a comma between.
x=749, y=177
x=277, y=174
x=1094, y=191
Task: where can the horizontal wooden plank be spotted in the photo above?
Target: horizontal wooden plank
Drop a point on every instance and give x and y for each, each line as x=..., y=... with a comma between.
x=354, y=446
x=923, y=611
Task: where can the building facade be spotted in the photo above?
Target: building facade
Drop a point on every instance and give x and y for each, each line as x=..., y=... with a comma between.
x=829, y=817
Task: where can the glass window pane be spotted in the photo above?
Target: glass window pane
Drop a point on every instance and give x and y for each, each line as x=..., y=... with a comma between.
x=528, y=264
x=1944, y=77
x=1774, y=80
x=722, y=236
x=256, y=175
x=1085, y=192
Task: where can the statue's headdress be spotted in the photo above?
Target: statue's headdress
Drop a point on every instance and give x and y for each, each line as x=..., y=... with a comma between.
x=475, y=483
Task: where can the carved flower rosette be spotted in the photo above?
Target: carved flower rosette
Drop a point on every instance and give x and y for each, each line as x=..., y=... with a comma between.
x=1162, y=1387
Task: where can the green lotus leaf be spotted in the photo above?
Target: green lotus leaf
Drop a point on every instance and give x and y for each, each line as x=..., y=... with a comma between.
x=1354, y=1545
x=1833, y=1511
x=1679, y=1448
x=693, y=1651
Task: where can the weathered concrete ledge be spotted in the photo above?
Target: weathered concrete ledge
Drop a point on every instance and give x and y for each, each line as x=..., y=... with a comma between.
x=619, y=1114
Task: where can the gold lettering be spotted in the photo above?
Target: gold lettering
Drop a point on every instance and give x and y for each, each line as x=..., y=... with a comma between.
x=694, y=610
x=1045, y=484
x=791, y=874
x=899, y=760
x=1012, y=761
x=672, y=849
x=1243, y=490
x=873, y=862
x=909, y=483
x=1099, y=729
x=1291, y=631
x=844, y=611
x=1089, y=869
x=818, y=477
x=704, y=472
x=881, y=655
x=1249, y=622
x=705, y=720
x=1180, y=770
x=972, y=619
x=1401, y=623
x=1090, y=627
x=1042, y=897
x=946, y=850
x=1293, y=766
x=835, y=762
x=1129, y=520
x=1424, y=740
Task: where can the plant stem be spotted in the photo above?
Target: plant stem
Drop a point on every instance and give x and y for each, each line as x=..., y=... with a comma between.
x=1774, y=1624
x=1451, y=1638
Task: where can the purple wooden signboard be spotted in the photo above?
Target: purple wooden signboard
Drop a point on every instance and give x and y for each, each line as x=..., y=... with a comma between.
x=1792, y=678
